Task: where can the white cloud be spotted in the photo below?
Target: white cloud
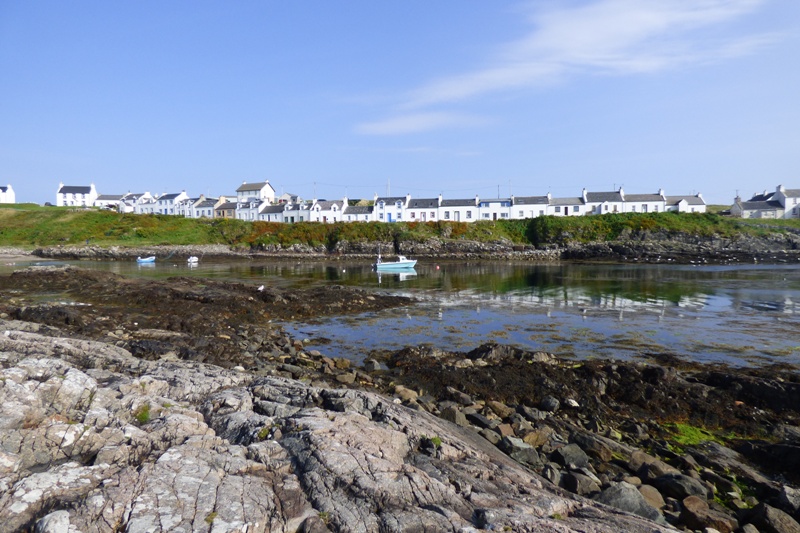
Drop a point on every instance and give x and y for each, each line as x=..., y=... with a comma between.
x=611, y=37
x=413, y=122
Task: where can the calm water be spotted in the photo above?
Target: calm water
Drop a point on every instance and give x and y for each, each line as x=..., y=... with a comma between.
x=738, y=315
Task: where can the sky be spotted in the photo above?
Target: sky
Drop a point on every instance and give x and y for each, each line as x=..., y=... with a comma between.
x=461, y=98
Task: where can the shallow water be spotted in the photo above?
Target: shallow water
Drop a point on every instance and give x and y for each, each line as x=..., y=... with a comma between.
x=728, y=314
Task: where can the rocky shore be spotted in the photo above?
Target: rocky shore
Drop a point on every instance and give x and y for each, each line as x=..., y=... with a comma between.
x=146, y=405
x=636, y=247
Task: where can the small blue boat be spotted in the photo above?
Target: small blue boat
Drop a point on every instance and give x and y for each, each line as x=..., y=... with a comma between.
x=151, y=259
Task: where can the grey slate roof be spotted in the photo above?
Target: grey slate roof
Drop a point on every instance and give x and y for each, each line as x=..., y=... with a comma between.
x=227, y=205
x=267, y=209
x=531, y=200
x=208, y=202
x=74, y=189
x=770, y=205
x=469, y=202
x=423, y=203
x=391, y=199
x=257, y=186
x=762, y=197
x=358, y=210
x=327, y=204
x=792, y=193
x=643, y=198
x=567, y=201
x=691, y=200
x=170, y=196
x=595, y=197
x=109, y=197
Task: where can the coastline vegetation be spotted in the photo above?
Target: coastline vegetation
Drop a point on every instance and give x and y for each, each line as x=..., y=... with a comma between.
x=29, y=225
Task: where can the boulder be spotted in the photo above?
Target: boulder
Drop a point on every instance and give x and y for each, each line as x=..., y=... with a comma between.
x=696, y=514
x=680, y=486
x=628, y=498
x=768, y=519
x=570, y=456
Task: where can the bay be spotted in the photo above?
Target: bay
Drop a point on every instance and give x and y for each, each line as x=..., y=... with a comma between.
x=740, y=315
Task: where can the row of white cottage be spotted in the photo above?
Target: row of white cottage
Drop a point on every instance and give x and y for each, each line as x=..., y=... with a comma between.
x=257, y=201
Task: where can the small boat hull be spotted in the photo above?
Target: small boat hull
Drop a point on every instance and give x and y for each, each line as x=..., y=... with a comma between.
x=402, y=263
x=142, y=260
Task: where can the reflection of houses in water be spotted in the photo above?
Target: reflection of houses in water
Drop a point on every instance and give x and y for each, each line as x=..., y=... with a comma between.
x=786, y=305
x=585, y=303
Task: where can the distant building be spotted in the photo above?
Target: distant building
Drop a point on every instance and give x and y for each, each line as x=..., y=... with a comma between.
x=76, y=195
x=108, y=201
x=261, y=190
x=7, y=195
x=783, y=203
x=686, y=204
x=130, y=201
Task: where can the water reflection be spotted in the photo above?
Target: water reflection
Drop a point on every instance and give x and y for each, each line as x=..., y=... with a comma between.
x=713, y=313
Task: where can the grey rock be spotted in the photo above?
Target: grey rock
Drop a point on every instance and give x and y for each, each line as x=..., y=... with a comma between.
x=580, y=484
x=133, y=445
x=549, y=404
x=768, y=519
x=680, y=486
x=55, y=522
x=628, y=498
x=570, y=456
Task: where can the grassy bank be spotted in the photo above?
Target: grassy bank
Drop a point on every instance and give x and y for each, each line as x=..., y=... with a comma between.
x=31, y=226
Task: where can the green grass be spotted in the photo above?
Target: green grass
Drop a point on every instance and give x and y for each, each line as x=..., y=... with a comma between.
x=27, y=225
x=688, y=435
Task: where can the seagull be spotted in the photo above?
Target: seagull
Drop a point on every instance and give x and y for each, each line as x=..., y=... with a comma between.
x=261, y=288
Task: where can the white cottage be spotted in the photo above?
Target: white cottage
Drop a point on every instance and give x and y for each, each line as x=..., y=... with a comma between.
x=299, y=212
x=76, y=195
x=167, y=202
x=686, y=204
x=358, y=213
x=790, y=200
x=327, y=210
x=566, y=206
x=130, y=201
x=646, y=203
x=529, y=206
x=261, y=190
x=459, y=210
x=495, y=208
x=602, y=203
x=391, y=208
x=422, y=209
x=7, y=195
x=272, y=213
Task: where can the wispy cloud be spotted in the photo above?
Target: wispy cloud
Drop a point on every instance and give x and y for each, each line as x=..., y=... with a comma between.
x=606, y=37
x=412, y=122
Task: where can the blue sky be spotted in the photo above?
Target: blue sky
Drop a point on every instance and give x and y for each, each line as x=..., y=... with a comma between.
x=461, y=98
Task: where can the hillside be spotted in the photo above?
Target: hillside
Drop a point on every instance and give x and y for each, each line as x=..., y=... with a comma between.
x=680, y=236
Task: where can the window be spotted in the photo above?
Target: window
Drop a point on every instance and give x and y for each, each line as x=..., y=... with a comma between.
x=541, y=212
x=644, y=208
x=576, y=209
x=484, y=204
x=503, y=215
x=380, y=216
x=447, y=215
x=413, y=215
x=521, y=214
x=433, y=215
x=633, y=209
x=486, y=215
x=469, y=214
x=655, y=208
x=605, y=208
x=558, y=209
